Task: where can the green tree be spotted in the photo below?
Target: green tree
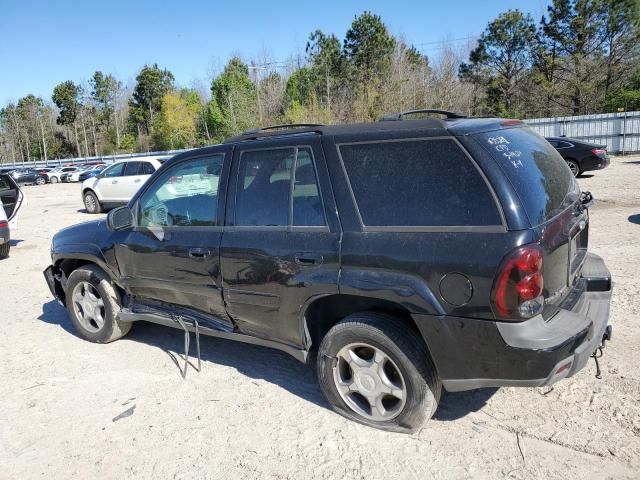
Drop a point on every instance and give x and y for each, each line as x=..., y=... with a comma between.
x=327, y=65
x=152, y=83
x=66, y=96
x=233, y=106
x=368, y=47
x=502, y=59
x=621, y=35
x=177, y=123
x=572, y=44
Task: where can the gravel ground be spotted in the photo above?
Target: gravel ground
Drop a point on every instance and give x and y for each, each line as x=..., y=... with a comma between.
x=72, y=409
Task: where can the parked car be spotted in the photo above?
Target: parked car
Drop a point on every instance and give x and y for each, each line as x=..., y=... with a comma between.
x=73, y=176
x=28, y=176
x=92, y=172
x=54, y=176
x=406, y=256
x=11, y=201
x=116, y=184
x=580, y=156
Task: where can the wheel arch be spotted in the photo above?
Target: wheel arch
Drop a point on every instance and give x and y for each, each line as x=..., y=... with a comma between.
x=65, y=264
x=324, y=312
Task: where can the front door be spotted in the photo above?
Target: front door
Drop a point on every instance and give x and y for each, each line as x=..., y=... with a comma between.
x=11, y=197
x=172, y=255
x=109, y=182
x=280, y=246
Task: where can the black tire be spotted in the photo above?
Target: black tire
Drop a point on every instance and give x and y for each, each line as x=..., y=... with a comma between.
x=4, y=250
x=54, y=180
x=113, y=328
x=574, y=167
x=407, y=351
x=91, y=202
x=40, y=181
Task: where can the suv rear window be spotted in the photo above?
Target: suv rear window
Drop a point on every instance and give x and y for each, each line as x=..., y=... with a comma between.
x=535, y=169
x=417, y=183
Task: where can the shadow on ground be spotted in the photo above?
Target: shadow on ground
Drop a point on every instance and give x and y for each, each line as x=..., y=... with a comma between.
x=15, y=242
x=585, y=175
x=257, y=362
x=635, y=218
x=636, y=162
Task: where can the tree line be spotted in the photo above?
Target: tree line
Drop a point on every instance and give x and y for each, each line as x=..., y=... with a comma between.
x=581, y=57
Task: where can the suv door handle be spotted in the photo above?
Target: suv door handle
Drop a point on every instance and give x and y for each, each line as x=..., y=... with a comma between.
x=136, y=180
x=199, y=252
x=308, y=259
x=114, y=181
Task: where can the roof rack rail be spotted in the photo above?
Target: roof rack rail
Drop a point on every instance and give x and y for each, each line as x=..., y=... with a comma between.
x=399, y=116
x=256, y=133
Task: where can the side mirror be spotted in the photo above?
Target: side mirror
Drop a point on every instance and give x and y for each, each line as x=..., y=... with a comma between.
x=120, y=218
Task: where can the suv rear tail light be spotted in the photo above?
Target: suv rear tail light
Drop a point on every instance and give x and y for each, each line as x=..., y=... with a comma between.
x=517, y=289
x=4, y=224
x=599, y=151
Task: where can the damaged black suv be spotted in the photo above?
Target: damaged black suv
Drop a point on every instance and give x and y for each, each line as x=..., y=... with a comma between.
x=406, y=256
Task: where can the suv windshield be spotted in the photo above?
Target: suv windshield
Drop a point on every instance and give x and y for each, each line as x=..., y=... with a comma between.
x=540, y=176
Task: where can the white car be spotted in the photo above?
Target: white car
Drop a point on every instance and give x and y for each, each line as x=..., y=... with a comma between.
x=54, y=175
x=116, y=184
x=11, y=202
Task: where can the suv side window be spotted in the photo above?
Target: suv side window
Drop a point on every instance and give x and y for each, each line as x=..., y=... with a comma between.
x=185, y=195
x=307, y=204
x=267, y=178
x=114, y=170
x=430, y=183
x=263, y=189
x=132, y=168
x=147, y=168
x=4, y=183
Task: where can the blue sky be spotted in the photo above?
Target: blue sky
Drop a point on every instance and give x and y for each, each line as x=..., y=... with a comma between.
x=45, y=42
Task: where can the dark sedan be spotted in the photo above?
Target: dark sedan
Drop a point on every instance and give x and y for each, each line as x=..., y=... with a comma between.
x=580, y=156
x=28, y=175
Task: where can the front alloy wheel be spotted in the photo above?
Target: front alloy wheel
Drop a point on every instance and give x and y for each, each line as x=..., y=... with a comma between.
x=88, y=306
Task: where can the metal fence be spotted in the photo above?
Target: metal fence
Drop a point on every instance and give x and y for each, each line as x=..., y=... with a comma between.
x=620, y=132
x=102, y=158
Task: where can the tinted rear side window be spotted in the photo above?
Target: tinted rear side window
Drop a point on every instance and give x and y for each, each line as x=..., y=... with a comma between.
x=536, y=170
x=418, y=183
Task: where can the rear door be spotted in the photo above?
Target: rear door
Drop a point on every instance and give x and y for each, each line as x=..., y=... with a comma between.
x=12, y=198
x=280, y=246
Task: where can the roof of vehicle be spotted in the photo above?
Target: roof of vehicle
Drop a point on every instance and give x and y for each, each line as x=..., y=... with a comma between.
x=453, y=124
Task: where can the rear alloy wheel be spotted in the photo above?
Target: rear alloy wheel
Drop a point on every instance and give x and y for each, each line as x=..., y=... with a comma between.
x=54, y=180
x=4, y=250
x=40, y=181
x=94, y=305
x=574, y=167
x=375, y=369
x=91, y=203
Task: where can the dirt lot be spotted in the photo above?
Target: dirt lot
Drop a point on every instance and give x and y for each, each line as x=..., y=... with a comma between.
x=72, y=409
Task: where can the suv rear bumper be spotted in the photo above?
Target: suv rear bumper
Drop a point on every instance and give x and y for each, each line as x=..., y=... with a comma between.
x=471, y=353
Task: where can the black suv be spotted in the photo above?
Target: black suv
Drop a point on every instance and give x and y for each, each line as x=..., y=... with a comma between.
x=405, y=256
